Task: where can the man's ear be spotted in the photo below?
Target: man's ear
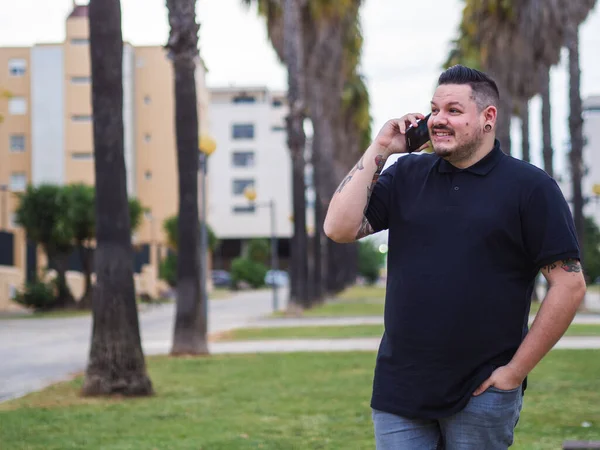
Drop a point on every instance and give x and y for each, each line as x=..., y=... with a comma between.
x=490, y=114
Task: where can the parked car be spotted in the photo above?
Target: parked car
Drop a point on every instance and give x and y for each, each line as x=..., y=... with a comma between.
x=277, y=277
x=221, y=278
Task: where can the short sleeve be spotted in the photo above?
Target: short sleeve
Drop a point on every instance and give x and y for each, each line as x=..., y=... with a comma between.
x=548, y=227
x=377, y=212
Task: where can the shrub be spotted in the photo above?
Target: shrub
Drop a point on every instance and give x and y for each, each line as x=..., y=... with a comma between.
x=37, y=295
x=370, y=260
x=252, y=272
x=259, y=250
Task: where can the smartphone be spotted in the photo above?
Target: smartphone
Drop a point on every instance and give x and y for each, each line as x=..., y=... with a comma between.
x=417, y=136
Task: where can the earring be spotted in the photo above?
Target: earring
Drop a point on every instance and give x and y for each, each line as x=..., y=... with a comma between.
x=487, y=128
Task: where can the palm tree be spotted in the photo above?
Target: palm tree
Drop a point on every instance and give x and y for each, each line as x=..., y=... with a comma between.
x=524, y=113
x=116, y=361
x=293, y=39
x=547, y=151
x=285, y=28
x=190, y=323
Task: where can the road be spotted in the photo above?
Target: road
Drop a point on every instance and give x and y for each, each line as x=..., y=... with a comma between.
x=37, y=352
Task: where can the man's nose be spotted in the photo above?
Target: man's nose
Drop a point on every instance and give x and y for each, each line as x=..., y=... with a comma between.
x=440, y=119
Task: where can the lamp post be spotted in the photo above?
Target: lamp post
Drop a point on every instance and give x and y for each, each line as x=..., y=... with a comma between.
x=250, y=194
x=207, y=146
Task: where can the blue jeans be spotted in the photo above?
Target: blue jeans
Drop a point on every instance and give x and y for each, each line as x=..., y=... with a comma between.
x=486, y=423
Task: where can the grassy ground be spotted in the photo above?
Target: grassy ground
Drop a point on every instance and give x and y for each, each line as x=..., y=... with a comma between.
x=354, y=331
x=276, y=401
x=355, y=301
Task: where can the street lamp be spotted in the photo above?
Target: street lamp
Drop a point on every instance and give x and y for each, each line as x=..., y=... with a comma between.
x=207, y=146
x=250, y=194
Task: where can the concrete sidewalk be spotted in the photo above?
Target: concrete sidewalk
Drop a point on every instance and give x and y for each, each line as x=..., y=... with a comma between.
x=332, y=345
x=285, y=322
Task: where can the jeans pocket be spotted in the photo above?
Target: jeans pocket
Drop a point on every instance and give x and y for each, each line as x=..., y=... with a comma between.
x=502, y=391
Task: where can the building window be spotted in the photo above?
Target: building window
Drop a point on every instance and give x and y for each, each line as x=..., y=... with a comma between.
x=80, y=41
x=81, y=118
x=147, y=137
x=147, y=100
x=17, y=106
x=82, y=156
x=277, y=103
x=277, y=128
x=18, y=181
x=17, y=143
x=81, y=80
x=13, y=221
x=17, y=67
x=246, y=209
x=239, y=186
x=148, y=175
x=242, y=159
x=244, y=99
x=243, y=131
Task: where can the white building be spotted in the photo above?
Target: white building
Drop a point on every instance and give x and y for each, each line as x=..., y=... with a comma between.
x=248, y=125
x=591, y=155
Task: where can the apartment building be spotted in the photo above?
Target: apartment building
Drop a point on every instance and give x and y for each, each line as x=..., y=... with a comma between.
x=248, y=124
x=591, y=155
x=46, y=132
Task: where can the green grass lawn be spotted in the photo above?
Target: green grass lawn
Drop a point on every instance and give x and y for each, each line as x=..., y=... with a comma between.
x=276, y=401
x=353, y=331
x=354, y=301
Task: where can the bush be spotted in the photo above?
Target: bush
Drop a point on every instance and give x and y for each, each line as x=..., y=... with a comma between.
x=370, y=261
x=168, y=269
x=37, y=295
x=259, y=250
x=252, y=272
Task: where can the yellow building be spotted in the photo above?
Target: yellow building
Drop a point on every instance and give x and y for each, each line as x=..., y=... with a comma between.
x=46, y=132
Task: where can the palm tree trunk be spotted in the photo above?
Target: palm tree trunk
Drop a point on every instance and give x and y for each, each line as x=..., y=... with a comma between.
x=525, y=131
x=116, y=361
x=318, y=276
x=293, y=43
x=189, y=335
x=547, y=152
x=504, y=120
x=576, y=131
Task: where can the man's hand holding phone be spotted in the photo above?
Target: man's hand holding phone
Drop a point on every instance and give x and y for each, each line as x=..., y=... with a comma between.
x=392, y=136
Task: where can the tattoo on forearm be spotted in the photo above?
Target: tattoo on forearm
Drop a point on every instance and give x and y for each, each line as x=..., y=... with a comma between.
x=345, y=181
x=568, y=265
x=365, y=229
x=379, y=162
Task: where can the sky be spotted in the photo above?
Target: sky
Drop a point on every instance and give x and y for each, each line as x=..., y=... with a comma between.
x=405, y=45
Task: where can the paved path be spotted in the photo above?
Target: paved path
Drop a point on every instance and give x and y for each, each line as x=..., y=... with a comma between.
x=339, y=345
x=35, y=353
x=284, y=322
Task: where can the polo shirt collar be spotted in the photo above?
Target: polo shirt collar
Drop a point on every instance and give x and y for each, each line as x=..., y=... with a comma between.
x=481, y=167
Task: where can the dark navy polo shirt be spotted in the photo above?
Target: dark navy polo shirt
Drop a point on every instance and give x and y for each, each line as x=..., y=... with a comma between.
x=464, y=249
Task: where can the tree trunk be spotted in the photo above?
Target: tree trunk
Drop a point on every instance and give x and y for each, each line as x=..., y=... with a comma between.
x=116, y=362
x=547, y=124
x=190, y=323
x=189, y=335
x=64, y=297
x=504, y=120
x=576, y=132
x=294, y=57
x=318, y=276
x=85, y=256
x=525, y=131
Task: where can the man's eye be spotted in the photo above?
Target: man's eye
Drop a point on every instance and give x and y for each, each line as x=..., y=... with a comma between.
x=454, y=111
x=434, y=111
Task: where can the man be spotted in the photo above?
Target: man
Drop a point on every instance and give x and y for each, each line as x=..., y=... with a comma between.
x=469, y=230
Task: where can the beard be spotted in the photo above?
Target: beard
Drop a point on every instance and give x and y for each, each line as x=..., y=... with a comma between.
x=462, y=150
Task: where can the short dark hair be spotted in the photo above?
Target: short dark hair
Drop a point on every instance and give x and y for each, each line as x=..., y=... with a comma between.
x=485, y=91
